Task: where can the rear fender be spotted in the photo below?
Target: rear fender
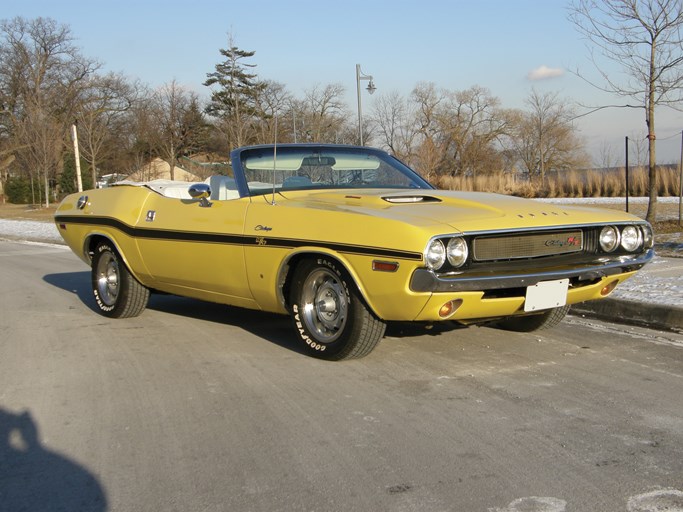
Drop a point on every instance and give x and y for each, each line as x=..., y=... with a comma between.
x=93, y=239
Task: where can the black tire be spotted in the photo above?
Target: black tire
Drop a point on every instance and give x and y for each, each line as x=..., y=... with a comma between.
x=117, y=293
x=329, y=315
x=549, y=318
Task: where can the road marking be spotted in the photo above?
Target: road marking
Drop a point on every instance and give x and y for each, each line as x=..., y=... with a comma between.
x=534, y=504
x=670, y=500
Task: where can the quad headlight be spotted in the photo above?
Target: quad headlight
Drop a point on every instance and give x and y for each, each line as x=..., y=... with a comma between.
x=609, y=238
x=435, y=254
x=648, y=236
x=630, y=238
x=456, y=252
x=449, y=252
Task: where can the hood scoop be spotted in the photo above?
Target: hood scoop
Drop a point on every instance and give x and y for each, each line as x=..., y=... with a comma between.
x=411, y=199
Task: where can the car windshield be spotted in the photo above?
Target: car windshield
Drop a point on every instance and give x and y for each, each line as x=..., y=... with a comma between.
x=299, y=168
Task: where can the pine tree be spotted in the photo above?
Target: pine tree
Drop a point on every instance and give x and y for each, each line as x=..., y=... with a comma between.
x=233, y=100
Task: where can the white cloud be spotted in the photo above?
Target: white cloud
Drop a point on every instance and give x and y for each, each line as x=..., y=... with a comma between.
x=544, y=72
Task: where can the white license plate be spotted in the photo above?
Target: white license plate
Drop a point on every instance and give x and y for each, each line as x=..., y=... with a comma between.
x=546, y=295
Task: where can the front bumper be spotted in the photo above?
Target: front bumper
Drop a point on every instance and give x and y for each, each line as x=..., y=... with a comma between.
x=424, y=280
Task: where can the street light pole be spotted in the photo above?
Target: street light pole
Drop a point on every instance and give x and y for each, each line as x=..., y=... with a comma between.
x=370, y=88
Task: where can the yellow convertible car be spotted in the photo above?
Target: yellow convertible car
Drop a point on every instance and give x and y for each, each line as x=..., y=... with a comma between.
x=344, y=239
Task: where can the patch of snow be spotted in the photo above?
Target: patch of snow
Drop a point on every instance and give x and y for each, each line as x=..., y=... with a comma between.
x=30, y=230
x=659, y=282
x=605, y=200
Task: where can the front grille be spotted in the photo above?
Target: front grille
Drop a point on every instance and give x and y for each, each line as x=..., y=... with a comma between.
x=532, y=245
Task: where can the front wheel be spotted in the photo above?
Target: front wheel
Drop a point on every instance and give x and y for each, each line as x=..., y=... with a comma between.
x=329, y=315
x=117, y=293
x=549, y=318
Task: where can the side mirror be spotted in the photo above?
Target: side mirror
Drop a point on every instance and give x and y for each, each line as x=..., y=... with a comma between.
x=202, y=192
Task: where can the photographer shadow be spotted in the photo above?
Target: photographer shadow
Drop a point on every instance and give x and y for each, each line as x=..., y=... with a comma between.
x=35, y=478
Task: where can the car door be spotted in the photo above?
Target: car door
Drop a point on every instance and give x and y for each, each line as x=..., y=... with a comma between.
x=196, y=250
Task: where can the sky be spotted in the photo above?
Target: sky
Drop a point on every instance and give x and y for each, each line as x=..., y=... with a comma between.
x=508, y=46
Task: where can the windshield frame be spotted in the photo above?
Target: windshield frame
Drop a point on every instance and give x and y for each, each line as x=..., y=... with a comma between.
x=260, y=158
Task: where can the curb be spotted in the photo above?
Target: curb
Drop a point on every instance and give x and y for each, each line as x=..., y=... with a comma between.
x=657, y=316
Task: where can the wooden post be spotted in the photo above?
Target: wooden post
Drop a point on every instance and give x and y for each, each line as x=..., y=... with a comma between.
x=627, y=187
x=680, y=186
x=74, y=136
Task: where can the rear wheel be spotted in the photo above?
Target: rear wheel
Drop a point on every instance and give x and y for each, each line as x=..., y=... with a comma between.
x=329, y=315
x=117, y=293
x=549, y=318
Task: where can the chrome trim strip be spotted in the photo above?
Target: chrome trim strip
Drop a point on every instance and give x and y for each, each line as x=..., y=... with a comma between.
x=558, y=227
x=424, y=280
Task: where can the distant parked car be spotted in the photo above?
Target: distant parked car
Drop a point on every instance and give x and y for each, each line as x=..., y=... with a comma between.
x=344, y=239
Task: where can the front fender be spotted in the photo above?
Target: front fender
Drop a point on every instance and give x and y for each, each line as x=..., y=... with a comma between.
x=386, y=294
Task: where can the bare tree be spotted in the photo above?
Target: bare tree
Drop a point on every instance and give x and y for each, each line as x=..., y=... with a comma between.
x=324, y=113
x=458, y=132
x=471, y=122
x=41, y=78
x=395, y=121
x=606, y=157
x=103, y=104
x=638, y=149
x=178, y=123
x=644, y=37
x=429, y=154
x=545, y=139
x=272, y=101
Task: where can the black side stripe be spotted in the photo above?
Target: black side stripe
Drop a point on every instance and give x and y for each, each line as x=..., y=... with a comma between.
x=245, y=240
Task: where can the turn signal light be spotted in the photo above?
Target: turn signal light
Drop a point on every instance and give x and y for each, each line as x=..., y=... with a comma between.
x=449, y=308
x=608, y=288
x=384, y=266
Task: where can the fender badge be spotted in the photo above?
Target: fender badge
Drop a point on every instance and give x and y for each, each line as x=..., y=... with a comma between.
x=263, y=228
x=151, y=214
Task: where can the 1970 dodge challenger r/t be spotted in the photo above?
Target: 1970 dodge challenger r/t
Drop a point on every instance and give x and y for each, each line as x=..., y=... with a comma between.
x=344, y=239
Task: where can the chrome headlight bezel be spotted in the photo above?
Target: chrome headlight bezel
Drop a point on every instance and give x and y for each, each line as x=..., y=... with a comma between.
x=609, y=238
x=631, y=238
x=435, y=254
x=457, y=251
x=648, y=236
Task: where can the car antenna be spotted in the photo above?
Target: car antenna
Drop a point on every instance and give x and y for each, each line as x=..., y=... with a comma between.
x=272, y=202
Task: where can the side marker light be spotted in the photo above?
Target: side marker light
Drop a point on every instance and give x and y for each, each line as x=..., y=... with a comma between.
x=608, y=288
x=449, y=308
x=384, y=266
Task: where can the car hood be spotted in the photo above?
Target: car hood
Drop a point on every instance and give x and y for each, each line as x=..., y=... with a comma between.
x=460, y=211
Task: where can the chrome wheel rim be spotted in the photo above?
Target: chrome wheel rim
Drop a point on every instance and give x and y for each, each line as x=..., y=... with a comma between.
x=325, y=305
x=107, y=273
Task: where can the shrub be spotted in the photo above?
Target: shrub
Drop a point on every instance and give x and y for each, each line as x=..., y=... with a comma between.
x=18, y=190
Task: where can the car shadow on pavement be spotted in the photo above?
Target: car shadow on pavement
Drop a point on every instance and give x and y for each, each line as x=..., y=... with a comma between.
x=35, y=478
x=414, y=329
x=277, y=329
x=74, y=282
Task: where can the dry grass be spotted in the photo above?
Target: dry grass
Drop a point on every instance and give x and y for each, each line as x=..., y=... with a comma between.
x=667, y=212
x=26, y=212
x=569, y=184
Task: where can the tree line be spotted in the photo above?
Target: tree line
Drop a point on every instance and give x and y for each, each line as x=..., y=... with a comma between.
x=47, y=85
